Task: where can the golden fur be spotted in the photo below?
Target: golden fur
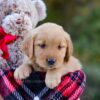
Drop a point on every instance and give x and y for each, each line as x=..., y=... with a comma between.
x=48, y=41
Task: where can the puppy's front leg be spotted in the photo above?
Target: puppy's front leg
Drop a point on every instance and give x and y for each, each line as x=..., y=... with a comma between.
x=24, y=70
x=53, y=78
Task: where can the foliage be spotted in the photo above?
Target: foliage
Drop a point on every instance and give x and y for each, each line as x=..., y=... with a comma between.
x=86, y=35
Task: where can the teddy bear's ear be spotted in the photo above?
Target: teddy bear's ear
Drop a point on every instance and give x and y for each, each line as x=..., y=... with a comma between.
x=6, y=7
x=41, y=9
x=3, y=10
x=1, y=16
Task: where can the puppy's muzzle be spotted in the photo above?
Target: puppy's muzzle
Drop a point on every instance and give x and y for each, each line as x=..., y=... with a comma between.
x=51, y=61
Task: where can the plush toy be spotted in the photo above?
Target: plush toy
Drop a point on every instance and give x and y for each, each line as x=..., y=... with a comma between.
x=17, y=18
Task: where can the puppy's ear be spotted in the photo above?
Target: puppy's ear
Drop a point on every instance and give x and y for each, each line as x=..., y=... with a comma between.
x=41, y=8
x=69, y=49
x=28, y=46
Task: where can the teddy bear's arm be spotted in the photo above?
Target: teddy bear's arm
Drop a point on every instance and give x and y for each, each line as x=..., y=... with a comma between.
x=3, y=62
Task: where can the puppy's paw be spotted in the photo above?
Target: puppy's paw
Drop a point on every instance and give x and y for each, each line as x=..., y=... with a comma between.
x=52, y=81
x=22, y=72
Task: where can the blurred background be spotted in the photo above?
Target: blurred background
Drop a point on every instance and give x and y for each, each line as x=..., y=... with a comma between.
x=81, y=19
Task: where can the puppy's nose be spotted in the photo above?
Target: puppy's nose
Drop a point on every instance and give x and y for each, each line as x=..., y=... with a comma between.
x=51, y=61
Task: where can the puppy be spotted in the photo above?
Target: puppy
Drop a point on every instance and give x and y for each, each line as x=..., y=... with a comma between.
x=49, y=48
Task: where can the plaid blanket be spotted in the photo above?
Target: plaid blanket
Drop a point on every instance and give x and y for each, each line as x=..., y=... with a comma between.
x=33, y=88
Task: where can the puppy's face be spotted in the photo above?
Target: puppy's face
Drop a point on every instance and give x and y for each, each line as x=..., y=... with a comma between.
x=50, y=50
x=51, y=46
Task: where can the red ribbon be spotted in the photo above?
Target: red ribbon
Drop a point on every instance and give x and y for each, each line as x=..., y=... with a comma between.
x=5, y=38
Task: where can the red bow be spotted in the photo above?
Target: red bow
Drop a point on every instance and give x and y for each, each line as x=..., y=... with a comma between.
x=4, y=40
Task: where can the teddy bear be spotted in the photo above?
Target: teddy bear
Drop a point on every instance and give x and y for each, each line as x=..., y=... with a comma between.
x=17, y=18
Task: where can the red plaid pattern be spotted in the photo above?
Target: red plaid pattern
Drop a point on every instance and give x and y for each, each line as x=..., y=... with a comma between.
x=33, y=88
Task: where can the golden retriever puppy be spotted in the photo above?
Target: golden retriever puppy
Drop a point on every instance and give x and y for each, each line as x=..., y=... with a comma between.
x=49, y=48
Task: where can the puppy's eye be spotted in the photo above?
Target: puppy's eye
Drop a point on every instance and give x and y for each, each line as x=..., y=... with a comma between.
x=60, y=47
x=42, y=45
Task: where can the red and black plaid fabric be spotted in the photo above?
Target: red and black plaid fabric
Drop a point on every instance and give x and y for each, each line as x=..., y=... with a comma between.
x=33, y=88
